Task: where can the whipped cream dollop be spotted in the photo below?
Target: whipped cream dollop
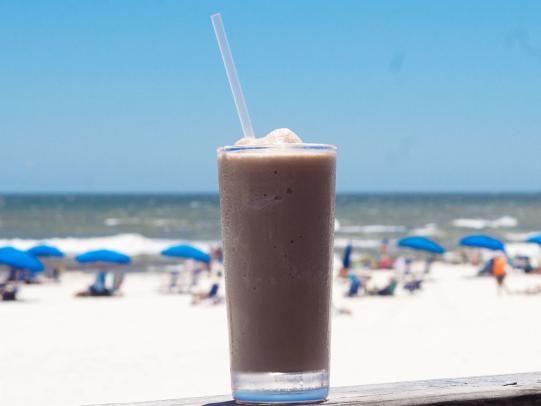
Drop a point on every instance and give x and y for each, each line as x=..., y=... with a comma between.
x=275, y=137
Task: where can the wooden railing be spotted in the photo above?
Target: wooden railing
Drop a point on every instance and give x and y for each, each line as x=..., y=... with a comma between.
x=516, y=390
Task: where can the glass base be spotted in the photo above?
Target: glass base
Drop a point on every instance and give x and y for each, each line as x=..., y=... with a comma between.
x=280, y=387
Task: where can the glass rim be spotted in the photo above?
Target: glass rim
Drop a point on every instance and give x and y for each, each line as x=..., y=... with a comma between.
x=278, y=147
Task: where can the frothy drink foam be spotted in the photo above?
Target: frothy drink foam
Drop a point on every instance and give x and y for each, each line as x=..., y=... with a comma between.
x=277, y=207
x=275, y=137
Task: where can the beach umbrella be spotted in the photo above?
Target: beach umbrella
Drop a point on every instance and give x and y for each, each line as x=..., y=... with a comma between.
x=421, y=244
x=112, y=257
x=18, y=259
x=482, y=241
x=535, y=240
x=45, y=251
x=186, y=251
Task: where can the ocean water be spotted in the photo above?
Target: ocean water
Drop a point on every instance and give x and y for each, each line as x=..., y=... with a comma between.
x=145, y=223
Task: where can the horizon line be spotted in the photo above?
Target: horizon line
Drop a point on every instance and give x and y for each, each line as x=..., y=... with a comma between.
x=338, y=192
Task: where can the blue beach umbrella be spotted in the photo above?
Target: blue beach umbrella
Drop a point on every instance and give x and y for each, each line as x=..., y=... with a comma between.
x=186, y=251
x=45, y=251
x=18, y=259
x=421, y=244
x=535, y=240
x=482, y=241
x=112, y=257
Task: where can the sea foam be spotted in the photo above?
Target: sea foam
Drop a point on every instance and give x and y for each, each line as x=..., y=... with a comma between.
x=430, y=229
x=371, y=229
x=480, y=223
x=130, y=244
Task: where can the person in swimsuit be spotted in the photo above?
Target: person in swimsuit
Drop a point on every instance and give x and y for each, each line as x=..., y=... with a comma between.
x=499, y=266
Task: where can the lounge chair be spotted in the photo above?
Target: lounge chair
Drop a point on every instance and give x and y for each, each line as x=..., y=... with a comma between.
x=486, y=270
x=413, y=285
x=8, y=291
x=213, y=290
x=354, y=286
x=210, y=296
x=179, y=282
x=99, y=289
x=118, y=279
x=387, y=290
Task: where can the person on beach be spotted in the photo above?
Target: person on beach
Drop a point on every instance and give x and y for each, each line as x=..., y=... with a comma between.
x=383, y=247
x=216, y=265
x=384, y=260
x=346, y=262
x=217, y=256
x=499, y=265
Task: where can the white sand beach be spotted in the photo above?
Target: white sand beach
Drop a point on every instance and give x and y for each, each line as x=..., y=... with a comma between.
x=60, y=350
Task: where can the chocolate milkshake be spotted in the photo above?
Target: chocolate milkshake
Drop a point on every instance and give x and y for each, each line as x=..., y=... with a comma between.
x=277, y=202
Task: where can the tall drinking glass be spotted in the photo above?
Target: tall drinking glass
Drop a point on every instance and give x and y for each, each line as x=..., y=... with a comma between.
x=277, y=206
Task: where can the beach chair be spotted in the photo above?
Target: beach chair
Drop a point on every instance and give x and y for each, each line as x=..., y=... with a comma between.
x=387, y=290
x=99, y=288
x=13, y=275
x=8, y=291
x=179, y=280
x=118, y=279
x=214, y=290
x=413, y=285
x=210, y=297
x=173, y=281
x=486, y=270
x=354, y=286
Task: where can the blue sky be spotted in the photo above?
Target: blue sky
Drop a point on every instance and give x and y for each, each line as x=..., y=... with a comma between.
x=132, y=95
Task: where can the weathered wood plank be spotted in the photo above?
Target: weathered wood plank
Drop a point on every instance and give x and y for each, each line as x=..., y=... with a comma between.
x=515, y=389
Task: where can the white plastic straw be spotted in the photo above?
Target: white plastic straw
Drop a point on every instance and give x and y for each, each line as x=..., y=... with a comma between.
x=232, y=76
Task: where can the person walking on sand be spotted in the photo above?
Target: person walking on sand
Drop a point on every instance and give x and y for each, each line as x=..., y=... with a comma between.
x=499, y=265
